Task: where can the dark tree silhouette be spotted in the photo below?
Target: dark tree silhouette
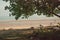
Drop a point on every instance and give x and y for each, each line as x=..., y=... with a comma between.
x=26, y=8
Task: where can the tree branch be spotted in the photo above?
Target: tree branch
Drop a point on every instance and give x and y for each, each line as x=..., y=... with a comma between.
x=56, y=15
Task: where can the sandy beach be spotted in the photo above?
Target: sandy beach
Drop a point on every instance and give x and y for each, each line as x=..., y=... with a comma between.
x=19, y=24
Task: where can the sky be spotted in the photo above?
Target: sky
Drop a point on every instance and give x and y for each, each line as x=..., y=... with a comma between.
x=4, y=14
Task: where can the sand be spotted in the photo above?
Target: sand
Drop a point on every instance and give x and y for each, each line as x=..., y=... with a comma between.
x=20, y=24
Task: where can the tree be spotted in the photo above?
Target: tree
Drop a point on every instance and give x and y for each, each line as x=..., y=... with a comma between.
x=26, y=8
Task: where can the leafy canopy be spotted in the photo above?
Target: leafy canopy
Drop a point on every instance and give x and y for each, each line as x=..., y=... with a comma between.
x=26, y=8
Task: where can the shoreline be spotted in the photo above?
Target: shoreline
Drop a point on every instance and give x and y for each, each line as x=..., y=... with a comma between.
x=30, y=19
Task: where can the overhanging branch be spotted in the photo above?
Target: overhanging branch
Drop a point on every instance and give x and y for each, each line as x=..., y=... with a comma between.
x=56, y=15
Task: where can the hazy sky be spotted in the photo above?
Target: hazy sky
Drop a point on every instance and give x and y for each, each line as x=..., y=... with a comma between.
x=4, y=14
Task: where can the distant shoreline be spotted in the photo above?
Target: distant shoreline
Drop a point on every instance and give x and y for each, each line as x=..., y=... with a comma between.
x=30, y=19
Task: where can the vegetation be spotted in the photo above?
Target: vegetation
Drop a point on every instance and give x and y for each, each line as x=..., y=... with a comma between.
x=26, y=8
x=42, y=33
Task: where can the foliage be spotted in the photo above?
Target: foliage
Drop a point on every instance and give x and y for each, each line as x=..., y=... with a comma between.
x=26, y=8
x=45, y=34
x=41, y=34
